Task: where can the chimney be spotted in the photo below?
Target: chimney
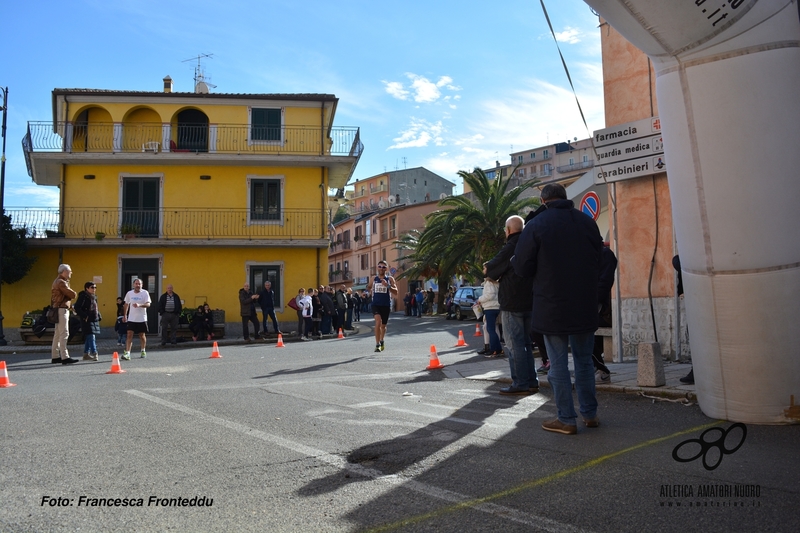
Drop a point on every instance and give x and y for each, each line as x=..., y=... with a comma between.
x=167, y=84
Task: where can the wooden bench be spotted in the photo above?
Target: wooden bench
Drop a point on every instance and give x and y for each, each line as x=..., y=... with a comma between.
x=185, y=330
x=27, y=335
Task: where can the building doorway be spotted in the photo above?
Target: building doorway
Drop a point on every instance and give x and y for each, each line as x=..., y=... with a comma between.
x=146, y=270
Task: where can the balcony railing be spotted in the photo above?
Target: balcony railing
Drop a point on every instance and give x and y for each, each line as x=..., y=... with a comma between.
x=107, y=137
x=169, y=223
x=336, y=276
x=576, y=166
x=340, y=246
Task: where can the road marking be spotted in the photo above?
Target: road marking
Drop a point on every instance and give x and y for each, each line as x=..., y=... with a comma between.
x=397, y=481
x=477, y=502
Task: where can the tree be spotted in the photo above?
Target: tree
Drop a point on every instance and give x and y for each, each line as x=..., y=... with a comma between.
x=459, y=238
x=16, y=262
x=341, y=214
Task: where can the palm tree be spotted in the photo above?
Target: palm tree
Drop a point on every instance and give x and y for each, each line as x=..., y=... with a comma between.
x=459, y=238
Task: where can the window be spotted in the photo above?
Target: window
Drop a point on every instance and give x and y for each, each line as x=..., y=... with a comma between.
x=265, y=198
x=545, y=153
x=521, y=173
x=571, y=160
x=265, y=124
x=140, y=206
x=586, y=159
x=533, y=155
x=519, y=159
x=364, y=261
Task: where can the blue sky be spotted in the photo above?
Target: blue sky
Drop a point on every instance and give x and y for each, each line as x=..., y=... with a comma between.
x=439, y=84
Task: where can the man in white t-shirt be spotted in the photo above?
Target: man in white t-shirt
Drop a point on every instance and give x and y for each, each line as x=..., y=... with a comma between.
x=135, y=316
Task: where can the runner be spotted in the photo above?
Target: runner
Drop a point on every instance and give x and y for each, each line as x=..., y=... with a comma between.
x=381, y=287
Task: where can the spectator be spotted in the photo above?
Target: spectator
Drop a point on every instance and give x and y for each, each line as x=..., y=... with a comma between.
x=560, y=251
x=491, y=311
x=266, y=300
x=202, y=324
x=247, y=308
x=86, y=307
x=119, y=326
x=137, y=301
x=328, y=310
x=169, y=307
x=60, y=296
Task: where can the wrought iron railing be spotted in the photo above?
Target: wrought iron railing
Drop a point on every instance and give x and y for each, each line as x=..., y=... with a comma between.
x=168, y=223
x=107, y=137
x=576, y=166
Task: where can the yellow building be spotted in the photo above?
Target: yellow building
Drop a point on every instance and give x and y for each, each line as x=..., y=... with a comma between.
x=202, y=191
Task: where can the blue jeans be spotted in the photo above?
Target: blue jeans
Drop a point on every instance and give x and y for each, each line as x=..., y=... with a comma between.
x=516, y=329
x=90, y=344
x=559, y=378
x=348, y=321
x=491, y=326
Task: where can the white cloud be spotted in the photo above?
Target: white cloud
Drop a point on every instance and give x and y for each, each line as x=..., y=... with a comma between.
x=422, y=90
x=569, y=36
x=420, y=133
x=395, y=88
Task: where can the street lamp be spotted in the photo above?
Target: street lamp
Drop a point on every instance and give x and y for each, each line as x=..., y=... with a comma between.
x=4, y=108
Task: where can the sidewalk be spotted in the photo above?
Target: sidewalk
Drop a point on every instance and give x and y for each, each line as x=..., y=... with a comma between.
x=623, y=377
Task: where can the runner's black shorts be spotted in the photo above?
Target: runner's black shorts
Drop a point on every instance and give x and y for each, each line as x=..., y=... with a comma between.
x=382, y=310
x=137, y=327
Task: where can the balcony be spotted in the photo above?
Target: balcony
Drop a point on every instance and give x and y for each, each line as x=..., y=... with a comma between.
x=340, y=275
x=47, y=145
x=377, y=188
x=112, y=225
x=575, y=166
x=339, y=246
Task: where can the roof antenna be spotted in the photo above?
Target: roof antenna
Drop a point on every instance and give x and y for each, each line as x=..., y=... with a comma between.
x=201, y=83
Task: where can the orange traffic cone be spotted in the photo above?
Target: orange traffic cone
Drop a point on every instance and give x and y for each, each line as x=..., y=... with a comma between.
x=215, y=352
x=115, y=368
x=280, y=341
x=4, y=382
x=434, y=364
x=341, y=335
x=478, y=332
x=461, y=341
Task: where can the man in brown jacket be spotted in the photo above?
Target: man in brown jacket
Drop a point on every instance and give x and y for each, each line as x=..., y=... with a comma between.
x=60, y=296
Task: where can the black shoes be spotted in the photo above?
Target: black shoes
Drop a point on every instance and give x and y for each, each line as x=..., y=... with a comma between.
x=516, y=391
x=68, y=361
x=55, y=361
x=688, y=378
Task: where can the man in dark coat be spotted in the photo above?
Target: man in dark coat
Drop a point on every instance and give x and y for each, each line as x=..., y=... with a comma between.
x=560, y=250
x=266, y=299
x=328, y=309
x=515, y=299
x=170, y=308
x=247, y=305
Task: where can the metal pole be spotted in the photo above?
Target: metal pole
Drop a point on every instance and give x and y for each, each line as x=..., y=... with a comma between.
x=3, y=341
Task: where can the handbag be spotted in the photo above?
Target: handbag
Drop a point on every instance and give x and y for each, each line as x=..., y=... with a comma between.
x=52, y=315
x=293, y=304
x=478, y=309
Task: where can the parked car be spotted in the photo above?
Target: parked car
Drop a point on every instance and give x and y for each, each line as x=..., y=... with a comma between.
x=463, y=301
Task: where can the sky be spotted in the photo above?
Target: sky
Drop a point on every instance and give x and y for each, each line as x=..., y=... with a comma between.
x=446, y=85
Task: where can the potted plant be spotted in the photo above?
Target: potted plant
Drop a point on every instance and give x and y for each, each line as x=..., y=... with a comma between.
x=128, y=231
x=357, y=238
x=99, y=235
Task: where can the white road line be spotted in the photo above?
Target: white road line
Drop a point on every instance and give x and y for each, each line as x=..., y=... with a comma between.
x=399, y=481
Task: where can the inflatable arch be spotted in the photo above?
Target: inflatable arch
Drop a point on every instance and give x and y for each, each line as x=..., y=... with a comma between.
x=727, y=79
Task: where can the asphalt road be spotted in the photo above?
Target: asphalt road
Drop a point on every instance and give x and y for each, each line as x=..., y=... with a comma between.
x=329, y=436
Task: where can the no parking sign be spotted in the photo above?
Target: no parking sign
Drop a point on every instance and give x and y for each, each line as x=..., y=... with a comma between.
x=590, y=204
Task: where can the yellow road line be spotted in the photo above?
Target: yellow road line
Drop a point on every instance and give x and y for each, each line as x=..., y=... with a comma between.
x=535, y=483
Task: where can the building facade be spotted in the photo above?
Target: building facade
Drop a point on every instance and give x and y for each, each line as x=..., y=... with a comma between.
x=201, y=191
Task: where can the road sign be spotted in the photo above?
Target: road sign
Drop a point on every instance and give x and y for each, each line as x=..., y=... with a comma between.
x=590, y=204
x=393, y=271
x=625, y=170
x=635, y=149
x=627, y=132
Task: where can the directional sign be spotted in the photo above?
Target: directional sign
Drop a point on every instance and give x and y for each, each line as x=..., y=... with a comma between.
x=625, y=170
x=627, y=132
x=590, y=204
x=635, y=149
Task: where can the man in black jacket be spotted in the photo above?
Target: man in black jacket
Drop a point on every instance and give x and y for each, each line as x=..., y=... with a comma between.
x=560, y=251
x=515, y=299
x=266, y=299
x=169, y=307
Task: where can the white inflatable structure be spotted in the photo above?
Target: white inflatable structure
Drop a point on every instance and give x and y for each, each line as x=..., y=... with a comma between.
x=728, y=85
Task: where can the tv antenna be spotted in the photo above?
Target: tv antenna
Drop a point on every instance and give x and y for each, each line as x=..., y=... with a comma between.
x=201, y=82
